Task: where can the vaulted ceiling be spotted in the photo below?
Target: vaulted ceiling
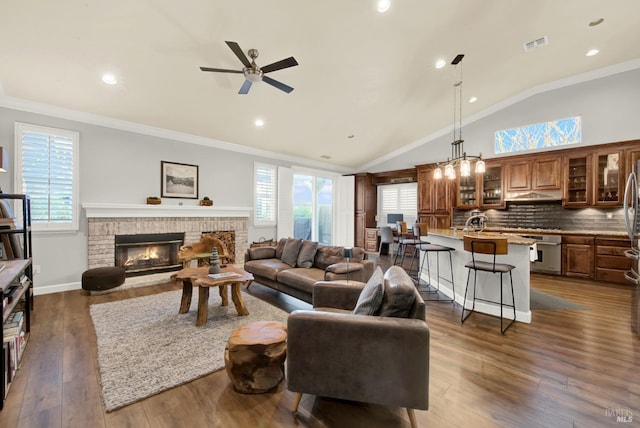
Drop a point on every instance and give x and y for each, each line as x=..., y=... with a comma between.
x=366, y=84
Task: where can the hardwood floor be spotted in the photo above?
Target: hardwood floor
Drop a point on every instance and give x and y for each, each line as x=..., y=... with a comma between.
x=567, y=368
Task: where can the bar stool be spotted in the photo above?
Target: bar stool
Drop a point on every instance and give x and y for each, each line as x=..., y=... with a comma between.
x=427, y=248
x=404, y=243
x=492, y=246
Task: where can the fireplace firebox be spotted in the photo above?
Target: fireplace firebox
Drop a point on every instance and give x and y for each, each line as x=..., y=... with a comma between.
x=148, y=253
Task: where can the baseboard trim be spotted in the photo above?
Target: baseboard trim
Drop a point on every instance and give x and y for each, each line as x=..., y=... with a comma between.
x=57, y=288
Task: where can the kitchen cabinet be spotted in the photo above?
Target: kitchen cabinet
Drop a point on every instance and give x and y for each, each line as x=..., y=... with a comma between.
x=546, y=173
x=609, y=178
x=467, y=192
x=434, y=198
x=594, y=178
x=577, y=188
x=518, y=175
x=371, y=239
x=492, y=195
x=533, y=173
x=611, y=263
x=578, y=256
x=366, y=206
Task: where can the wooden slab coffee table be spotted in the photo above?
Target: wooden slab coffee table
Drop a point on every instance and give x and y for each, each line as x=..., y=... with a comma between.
x=200, y=278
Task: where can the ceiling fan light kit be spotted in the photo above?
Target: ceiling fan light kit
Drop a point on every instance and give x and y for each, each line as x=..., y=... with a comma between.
x=254, y=74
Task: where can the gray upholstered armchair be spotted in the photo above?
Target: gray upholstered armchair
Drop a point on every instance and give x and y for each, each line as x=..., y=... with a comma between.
x=332, y=352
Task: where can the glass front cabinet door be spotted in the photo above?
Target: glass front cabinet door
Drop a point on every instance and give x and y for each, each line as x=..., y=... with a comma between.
x=578, y=181
x=467, y=192
x=609, y=175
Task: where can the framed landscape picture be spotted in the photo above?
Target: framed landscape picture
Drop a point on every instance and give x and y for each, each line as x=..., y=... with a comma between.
x=179, y=180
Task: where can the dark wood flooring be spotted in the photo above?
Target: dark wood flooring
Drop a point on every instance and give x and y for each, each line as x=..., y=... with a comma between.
x=568, y=368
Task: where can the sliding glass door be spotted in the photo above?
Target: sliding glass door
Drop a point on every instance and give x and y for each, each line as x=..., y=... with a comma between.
x=313, y=208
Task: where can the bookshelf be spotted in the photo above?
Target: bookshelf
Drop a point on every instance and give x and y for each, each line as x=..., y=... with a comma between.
x=16, y=281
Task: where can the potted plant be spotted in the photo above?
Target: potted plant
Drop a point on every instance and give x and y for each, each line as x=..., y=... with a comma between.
x=206, y=202
x=153, y=200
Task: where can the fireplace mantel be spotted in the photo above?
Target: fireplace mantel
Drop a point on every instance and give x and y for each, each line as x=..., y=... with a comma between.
x=101, y=210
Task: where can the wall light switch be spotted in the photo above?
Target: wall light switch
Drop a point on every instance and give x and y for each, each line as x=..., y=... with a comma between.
x=609, y=216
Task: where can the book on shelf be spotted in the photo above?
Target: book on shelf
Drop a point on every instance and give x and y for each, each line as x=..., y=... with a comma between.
x=223, y=275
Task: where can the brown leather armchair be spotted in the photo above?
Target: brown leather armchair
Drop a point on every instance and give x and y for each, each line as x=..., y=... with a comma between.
x=332, y=352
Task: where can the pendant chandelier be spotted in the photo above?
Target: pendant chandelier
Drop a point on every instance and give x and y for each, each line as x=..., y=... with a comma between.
x=459, y=158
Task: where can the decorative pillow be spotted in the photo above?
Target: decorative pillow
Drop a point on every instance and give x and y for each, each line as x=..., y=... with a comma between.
x=371, y=295
x=280, y=248
x=307, y=254
x=291, y=250
x=399, y=293
x=262, y=253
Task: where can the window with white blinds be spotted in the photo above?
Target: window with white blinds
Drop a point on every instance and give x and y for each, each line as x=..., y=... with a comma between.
x=46, y=170
x=398, y=199
x=266, y=203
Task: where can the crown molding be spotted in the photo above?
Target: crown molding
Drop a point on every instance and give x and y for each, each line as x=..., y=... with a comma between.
x=123, y=125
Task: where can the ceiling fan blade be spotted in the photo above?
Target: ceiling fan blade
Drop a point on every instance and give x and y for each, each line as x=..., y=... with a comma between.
x=220, y=70
x=241, y=56
x=285, y=63
x=245, y=87
x=275, y=83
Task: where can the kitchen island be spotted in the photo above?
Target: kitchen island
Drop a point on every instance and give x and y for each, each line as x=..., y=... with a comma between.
x=519, y=253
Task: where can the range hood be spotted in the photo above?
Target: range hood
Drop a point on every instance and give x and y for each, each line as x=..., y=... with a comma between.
x=534, y=196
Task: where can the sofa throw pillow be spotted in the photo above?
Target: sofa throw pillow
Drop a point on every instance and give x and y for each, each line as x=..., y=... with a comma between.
x=399, y=293
x=371, y=295
x=307, y=254
x=291, y=250
x=280, y=248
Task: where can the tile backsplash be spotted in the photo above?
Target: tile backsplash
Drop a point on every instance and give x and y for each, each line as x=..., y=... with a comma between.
x=550, y=215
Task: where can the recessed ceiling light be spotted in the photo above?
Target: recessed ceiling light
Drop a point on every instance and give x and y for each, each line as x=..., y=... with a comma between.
x=109, y=79
x=259, y=123
x=473, y=99
x=383, y=5
x=593, y=52
x=596, y=22
x=440, y=63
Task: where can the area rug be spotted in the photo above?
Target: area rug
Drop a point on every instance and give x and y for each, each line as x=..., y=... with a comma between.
x=544, y=301
x=146, y=347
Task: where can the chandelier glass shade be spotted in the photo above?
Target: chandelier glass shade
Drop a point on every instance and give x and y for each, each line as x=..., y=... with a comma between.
x=459, y=158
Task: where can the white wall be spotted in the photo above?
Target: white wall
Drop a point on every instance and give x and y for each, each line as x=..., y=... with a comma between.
x=609, y=107
x=124, y=167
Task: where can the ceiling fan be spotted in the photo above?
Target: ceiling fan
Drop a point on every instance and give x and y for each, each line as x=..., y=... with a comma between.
x=253, y=73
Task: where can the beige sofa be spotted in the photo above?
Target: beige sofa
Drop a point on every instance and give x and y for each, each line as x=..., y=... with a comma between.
x=295, y=265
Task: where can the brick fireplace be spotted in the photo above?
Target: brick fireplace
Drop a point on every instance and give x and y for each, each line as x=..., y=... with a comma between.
x=105, y=221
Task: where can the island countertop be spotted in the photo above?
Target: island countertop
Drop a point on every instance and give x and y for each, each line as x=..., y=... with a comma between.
x=451, y=279
x=512, y=238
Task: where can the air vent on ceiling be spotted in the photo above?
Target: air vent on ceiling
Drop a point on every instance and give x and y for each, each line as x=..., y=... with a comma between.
x=537, y=43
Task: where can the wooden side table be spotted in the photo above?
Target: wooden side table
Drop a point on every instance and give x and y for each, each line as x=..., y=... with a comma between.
x=254, y=356
x=200, y=278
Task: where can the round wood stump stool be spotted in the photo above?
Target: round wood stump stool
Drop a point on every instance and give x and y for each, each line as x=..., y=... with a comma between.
x=254, y=356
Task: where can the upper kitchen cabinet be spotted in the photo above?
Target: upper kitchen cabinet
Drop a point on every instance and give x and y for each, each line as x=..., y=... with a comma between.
x=518, y=174
x=492, y=195
x=577, y=188
x=594, y=178
x=467, y=192
x=434, y=198
x=609, y=178
x=533, y=173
